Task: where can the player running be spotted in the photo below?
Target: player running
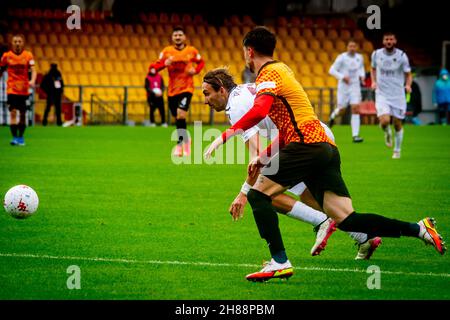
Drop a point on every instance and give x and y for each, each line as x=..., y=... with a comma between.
x=306, y=154
x=18, y=62
x=390, y=68
x=182, y=62
x=348, y=68
x=222, y=93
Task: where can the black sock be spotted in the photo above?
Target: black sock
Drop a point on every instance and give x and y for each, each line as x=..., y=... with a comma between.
x=376, y=225
x=181, y=129
x=266, y=220
x=13, y=129
x=21, y=128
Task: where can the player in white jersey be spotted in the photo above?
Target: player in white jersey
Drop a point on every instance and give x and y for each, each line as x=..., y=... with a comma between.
x=348, y=68
x=391, y=77
x=221, y=93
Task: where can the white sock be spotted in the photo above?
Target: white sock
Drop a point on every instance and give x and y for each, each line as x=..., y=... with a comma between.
x=302, y=212
x=358, y=236
x=355, y=123
x=398, y=140
x=335, y=113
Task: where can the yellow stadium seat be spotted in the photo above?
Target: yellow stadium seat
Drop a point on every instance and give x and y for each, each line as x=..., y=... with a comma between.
x=104, y=79
x=211, y=31
x=155, y=42
x=76, y=66
x=230, y=43
x=84, y=79
x=94, y=79
x=122, y=54
x=128, y=66
x=290, y=44
x=66, y=67
x=43, y=66
x=145, y=42
x=139, y=29
x=207, y=42
x=124, y=41
x=64, y=40
x=318, y=69
x=84, y=40
x=94, y=40
x=87, y=66
x=31, y=39
x=225, y=56
x=320, y=34
x=104, y=40
x=318, y=81
x=358, y=35
x=118, y=29
x=118, y=66
x=304, y=69
x=53, y=39
x=323, y=57
x=295, y=33
x=141, y=67
x=305, y=81
x=98, y=28
x=314, y=45
x=108, y=66
x=284, y=56
x=134, y=41
x=90, y=53
x=101, y=53
x=97, y=66
x=42, y=39
x=49, y=52
x=114, y=41
x=331, y=82
x=345, y=35
x=327, y=45
x=60, y=52
x=111, y=53
x=310, y=57
x=71, y=78
x=307, y=33
x=213, y=55
x=236, y=31
x=282, y=32
x=340, y=46
x=38, y=52
x=367, y=47
x=298, y=57
x=332, y=34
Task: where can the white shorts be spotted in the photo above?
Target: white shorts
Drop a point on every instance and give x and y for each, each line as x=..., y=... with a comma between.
x=350, y=96
x=298, y=189
x=396, y=109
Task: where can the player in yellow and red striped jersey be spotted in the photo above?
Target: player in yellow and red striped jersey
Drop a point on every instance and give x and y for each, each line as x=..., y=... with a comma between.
x=182, y=62
x=18, y=62
x=306, y=154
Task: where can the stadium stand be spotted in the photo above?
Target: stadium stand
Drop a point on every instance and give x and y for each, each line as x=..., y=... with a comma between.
x=107, y=53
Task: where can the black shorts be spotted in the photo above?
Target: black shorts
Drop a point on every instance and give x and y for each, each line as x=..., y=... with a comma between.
x=318, y=165
x=18, y=102
x=182, y=101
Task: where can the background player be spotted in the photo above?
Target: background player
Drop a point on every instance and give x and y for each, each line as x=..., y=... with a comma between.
x=18, y=62
x=308, y=155
x=348, y=68
x=390, y=68
x=182, y=62
x=221, y=93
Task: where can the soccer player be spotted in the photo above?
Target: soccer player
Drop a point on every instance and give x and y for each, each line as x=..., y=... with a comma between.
x=306, y=154
x=222, y=93
x=18, y=62
x=348, y=68
x=182, y=62
x=390, y=68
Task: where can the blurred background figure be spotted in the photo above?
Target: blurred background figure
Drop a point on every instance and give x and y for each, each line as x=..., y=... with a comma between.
x=441, y=96
x=154, y=85
x=414, y=102
x=53, y=86
x=247, y=76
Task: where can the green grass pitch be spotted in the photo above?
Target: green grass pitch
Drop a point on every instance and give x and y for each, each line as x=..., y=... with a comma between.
x=140, y=227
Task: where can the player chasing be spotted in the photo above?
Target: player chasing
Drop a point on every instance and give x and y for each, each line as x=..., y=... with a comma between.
x=222, y=93
x=182, y=62
x=306, y=154
x=18, y=62
x=390, y=68
x=348, y=69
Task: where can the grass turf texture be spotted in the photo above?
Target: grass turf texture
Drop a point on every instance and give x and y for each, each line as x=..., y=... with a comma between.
x=113, y=193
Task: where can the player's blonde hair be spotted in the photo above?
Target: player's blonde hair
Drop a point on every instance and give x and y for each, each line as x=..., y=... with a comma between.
x=220, y=77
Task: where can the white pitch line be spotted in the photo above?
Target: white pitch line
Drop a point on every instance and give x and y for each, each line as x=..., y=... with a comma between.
x=209, y=264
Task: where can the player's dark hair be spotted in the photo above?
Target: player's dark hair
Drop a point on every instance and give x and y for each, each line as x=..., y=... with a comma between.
x=18, y=35
x=388, y=33
x=351, y=40
x=262, y=40
x=178, y=28
x=219, y=77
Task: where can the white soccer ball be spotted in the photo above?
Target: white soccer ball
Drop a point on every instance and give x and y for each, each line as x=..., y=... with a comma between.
x=21, y=201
